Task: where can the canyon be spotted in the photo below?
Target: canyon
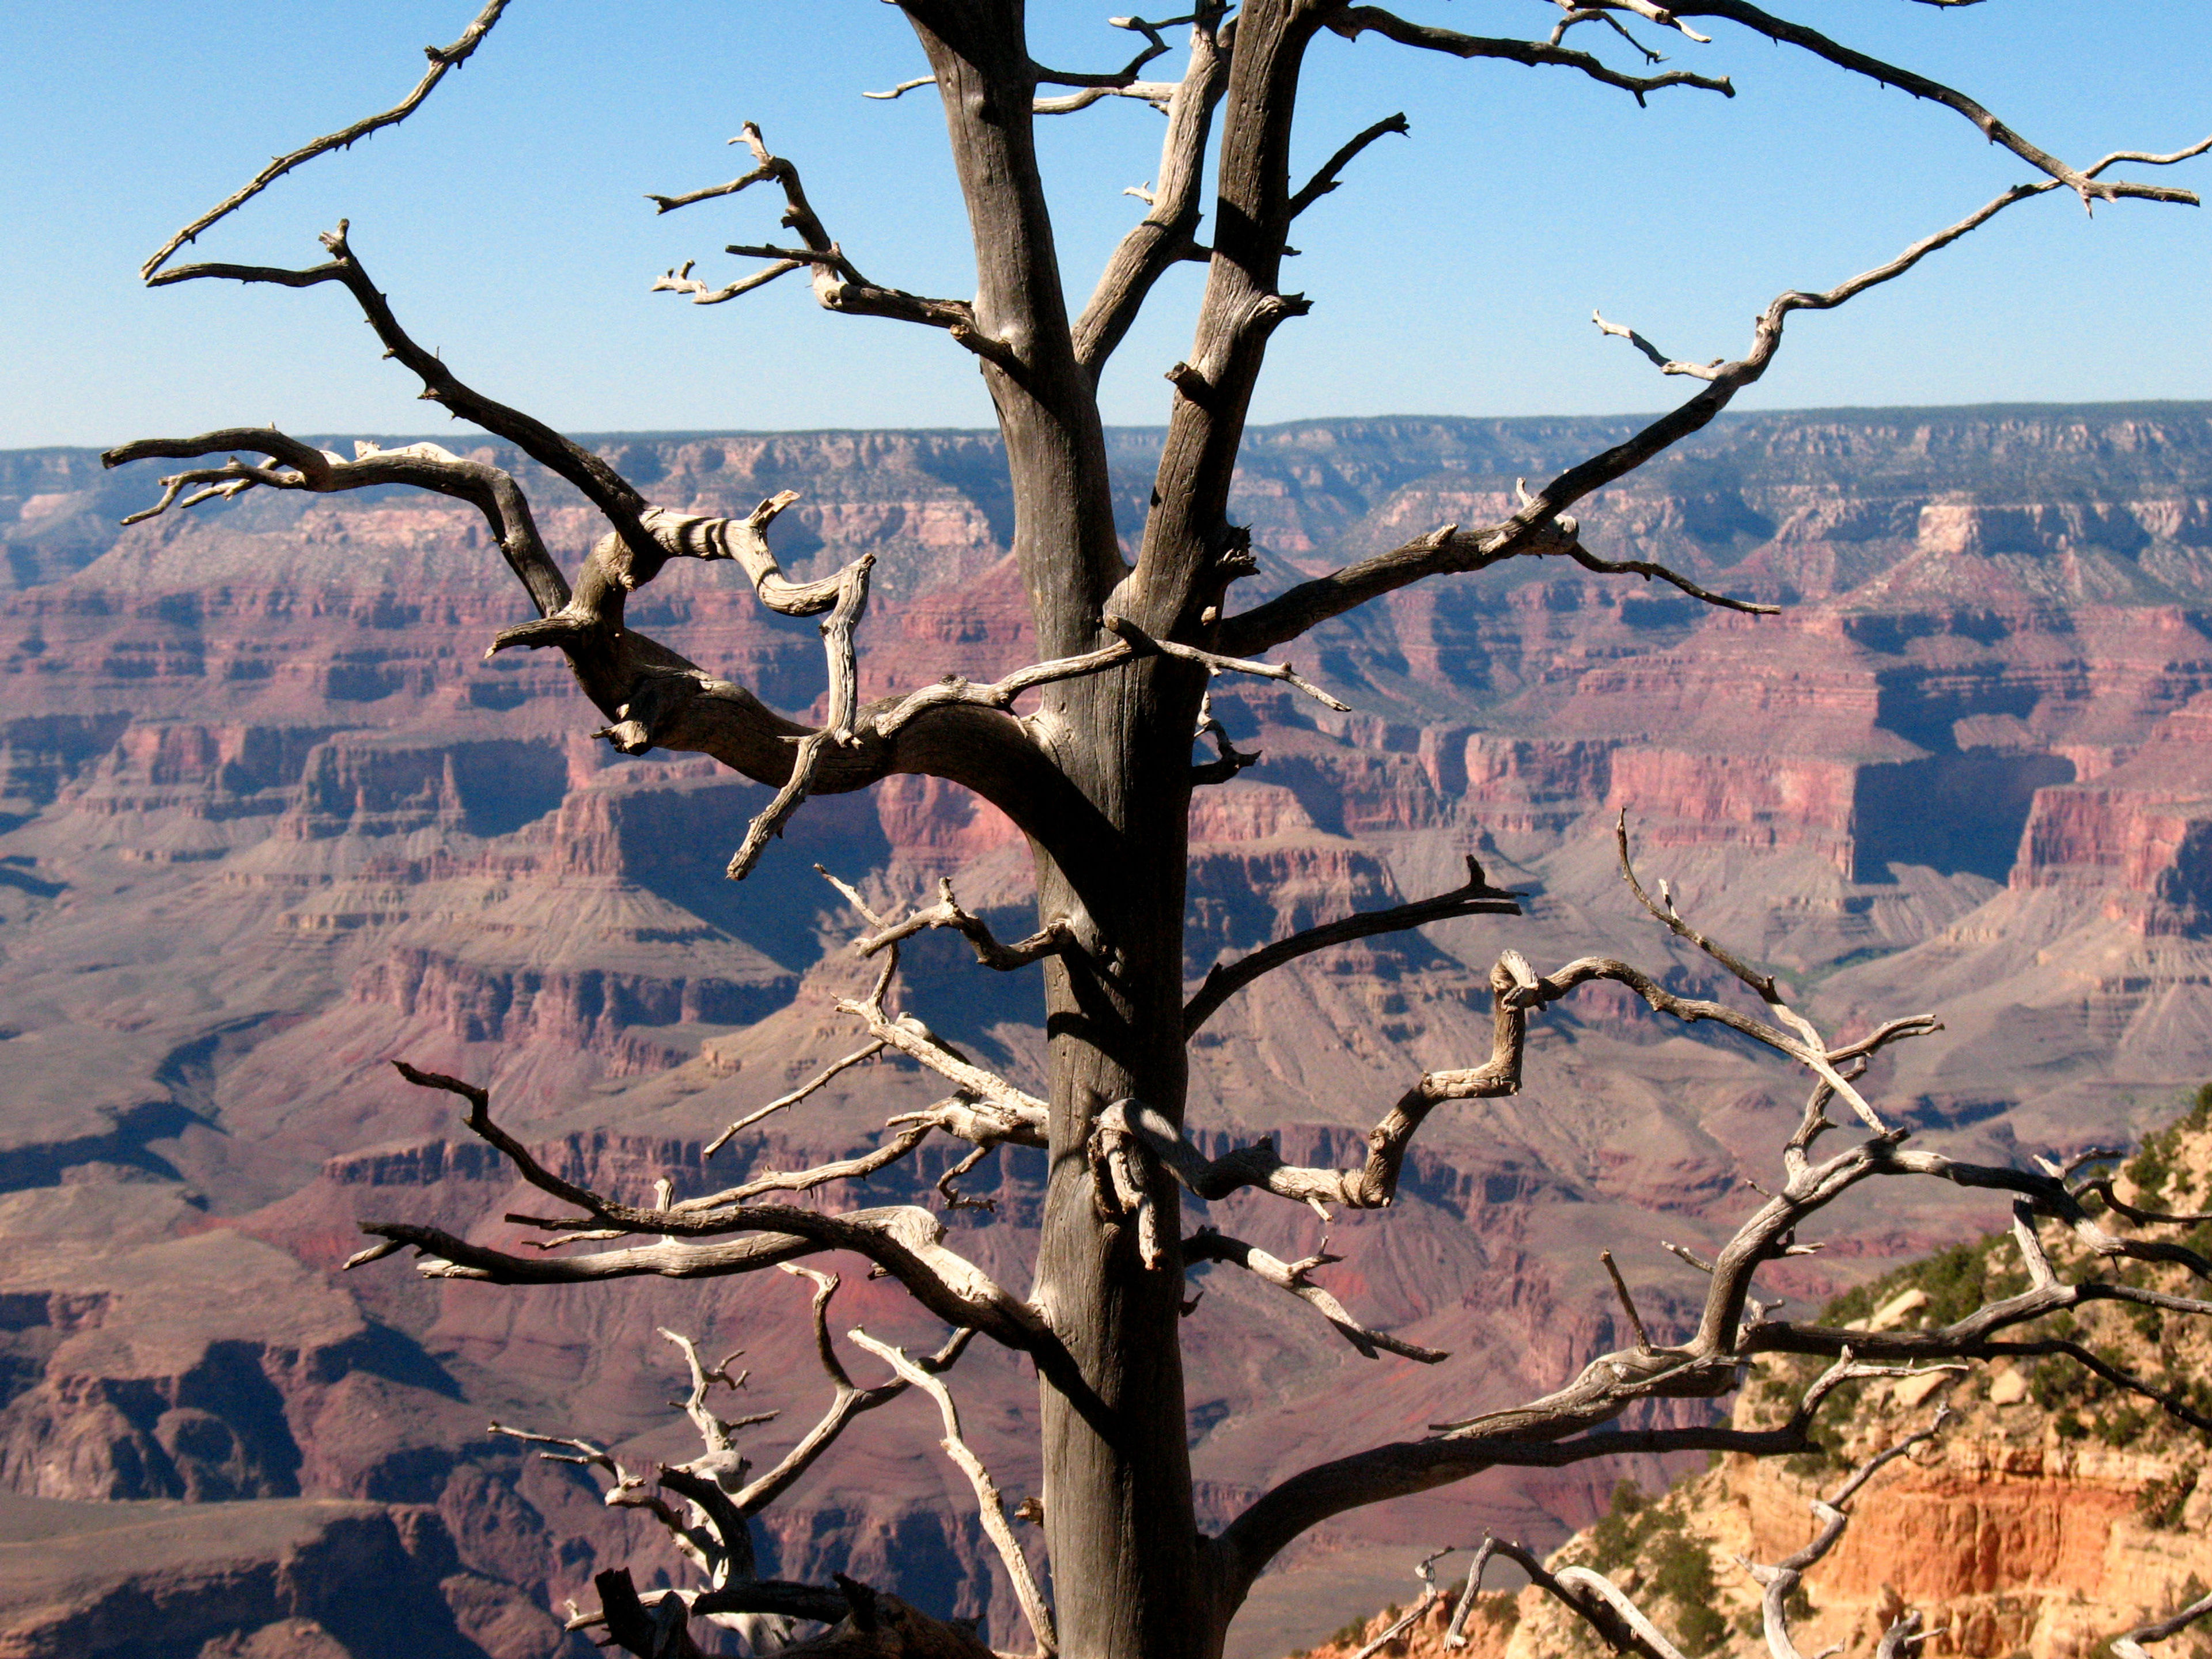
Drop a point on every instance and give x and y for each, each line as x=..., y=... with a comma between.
x=268, y=820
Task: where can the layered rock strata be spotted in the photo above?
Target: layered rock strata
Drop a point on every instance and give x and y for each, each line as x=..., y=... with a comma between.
x=267, y=821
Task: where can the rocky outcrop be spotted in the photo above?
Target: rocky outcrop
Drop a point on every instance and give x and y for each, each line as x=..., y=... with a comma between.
x=147, y=1360
x=299, y=1578
x=2049, y=1514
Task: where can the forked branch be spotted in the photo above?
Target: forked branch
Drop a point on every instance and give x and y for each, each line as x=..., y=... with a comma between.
x=1779, y=1582
x=1477, y=897
x=1053, y=937
x=652, y=695
x=442, y=60
x=712, y=1527
x=1731, y=1327
x=905, y=1241
x=299, y=465
x=838, y=284
x=1352, y=21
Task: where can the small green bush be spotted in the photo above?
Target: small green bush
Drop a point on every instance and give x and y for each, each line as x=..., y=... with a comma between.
x=2161, y=1504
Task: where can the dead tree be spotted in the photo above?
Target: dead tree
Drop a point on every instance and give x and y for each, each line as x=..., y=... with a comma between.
x=1089, y=752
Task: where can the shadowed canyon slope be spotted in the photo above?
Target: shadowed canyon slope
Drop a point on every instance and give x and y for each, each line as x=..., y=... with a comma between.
x=270, y=821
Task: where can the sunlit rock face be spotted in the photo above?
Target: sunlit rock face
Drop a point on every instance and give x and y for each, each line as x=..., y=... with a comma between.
x=271, y=821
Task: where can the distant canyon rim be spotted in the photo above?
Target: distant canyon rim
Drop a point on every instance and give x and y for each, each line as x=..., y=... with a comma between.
x=267, y=821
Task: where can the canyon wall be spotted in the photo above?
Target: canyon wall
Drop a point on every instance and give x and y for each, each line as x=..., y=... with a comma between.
x=2043, y=1514
x=268, y=820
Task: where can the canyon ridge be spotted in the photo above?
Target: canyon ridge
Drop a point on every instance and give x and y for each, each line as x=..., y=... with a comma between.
x=268, y=820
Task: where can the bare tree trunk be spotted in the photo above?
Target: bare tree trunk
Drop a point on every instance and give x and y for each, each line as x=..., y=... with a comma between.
x=1117, y=1497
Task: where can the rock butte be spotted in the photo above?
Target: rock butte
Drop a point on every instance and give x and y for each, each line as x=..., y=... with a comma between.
x=271, y=821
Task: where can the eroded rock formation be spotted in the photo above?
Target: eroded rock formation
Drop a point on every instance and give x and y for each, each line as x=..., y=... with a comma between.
x=270, y=822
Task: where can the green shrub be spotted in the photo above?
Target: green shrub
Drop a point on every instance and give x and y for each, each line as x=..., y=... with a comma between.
x=1682, y=1572
x=1502, y=1612
x=1956, y=1281
x=2161, y=1504
x=2155, y=1165
x=2124, y=1427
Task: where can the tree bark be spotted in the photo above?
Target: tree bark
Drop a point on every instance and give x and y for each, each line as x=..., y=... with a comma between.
x=1118, y=1515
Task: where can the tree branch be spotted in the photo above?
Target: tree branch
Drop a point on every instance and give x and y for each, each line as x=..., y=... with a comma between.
x=1352, y=21
x=442, y=59
x=903, y=1240
x=1050, y=940
x=718, y=1537
x=838, y=284
x=656, y=697
x=867, y=1051
x=1594, y=1599
x=847, y=1402
x=1779, y=1582
x=1534, y=1436
x=1375, y=1184
x=821, y=1175
x=1168, y=232
x=1208, y=1244
x=1431, y=1593
x=1325, y=180
x=2084, y=184
x=1064, y=540
x=1112, y=79
x=1223, y=980
x=992, y=1512
x=1542, y=527
x=2129, y=1646
x=653, y=695
x=1131, y=644
x=490, y=490
x=605, y=487
x=1556, y=1429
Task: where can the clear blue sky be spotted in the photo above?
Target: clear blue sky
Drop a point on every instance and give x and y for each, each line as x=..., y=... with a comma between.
x=1456, y=272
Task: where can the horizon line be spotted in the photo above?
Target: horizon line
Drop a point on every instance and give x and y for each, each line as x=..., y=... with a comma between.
x=1733, y=416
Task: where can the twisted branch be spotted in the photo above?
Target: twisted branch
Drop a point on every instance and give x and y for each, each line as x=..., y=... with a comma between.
x=1779, y=1582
